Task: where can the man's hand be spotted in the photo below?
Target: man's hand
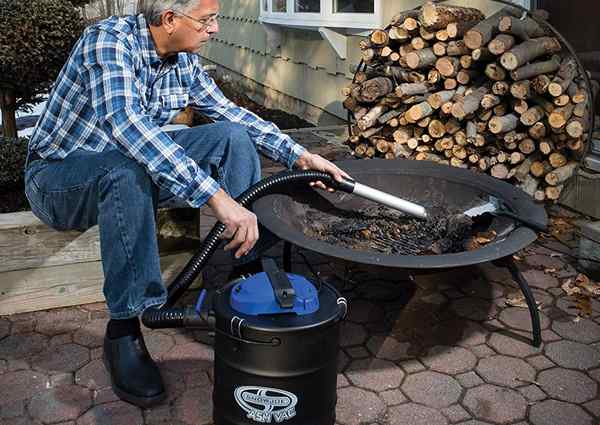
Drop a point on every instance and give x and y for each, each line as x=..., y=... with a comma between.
x=309, y=161
x=241, y=224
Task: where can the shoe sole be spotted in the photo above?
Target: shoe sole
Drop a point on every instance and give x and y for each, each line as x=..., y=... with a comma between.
x=139, y=401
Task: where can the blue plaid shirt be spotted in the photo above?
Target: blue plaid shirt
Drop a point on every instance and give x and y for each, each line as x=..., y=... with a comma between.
x=115, y=92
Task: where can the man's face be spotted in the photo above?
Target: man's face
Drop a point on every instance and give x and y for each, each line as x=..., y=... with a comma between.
x=194, y=28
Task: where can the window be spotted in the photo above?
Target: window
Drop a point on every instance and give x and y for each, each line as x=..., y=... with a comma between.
x=314, y=14
x=265, y=7
x=354, y=6
x=307, y=6
x=279, y=5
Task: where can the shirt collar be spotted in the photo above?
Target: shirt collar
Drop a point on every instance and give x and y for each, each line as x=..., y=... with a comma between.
x=149, y=53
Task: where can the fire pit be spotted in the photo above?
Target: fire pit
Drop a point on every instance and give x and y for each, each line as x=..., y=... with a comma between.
x=437, y=187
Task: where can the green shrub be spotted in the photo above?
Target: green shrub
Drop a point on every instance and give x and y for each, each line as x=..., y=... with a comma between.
x=13, y=153
x=35, y=41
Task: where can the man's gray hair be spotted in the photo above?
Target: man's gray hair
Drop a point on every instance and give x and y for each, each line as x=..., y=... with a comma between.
x=152, y=9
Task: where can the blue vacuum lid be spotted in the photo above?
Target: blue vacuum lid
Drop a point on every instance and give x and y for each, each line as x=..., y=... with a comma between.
x=255, y=296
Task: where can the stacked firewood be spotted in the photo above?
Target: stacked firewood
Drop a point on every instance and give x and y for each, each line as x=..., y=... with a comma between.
x=500, y=95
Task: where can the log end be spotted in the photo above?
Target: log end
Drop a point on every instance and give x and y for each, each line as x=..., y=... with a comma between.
x=473, y=39
x=509, y=61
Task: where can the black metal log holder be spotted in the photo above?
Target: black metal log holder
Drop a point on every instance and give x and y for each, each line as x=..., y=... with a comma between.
x=506, y=262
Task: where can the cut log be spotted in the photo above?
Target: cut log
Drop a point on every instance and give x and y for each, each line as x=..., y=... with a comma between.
x=401, y=17
x=482, y=54
x=373, y=89
x=559, y=117
x=369, y=119
x=400, y=151
x=539, y=195
x=564, y=77
x=537, y=131
x=402, y=135
x=428, y=156
x=532, y=116
x=500, y=88
x=540, y=83
x=527, y=146
x=436, y=129
x=501, y=43
x=546, y=105
x=470, y=103
x=418, y=43
x=489, y=101
x=448, y=66
x=423, y=123
x=576, y=146
x=516, y=158
x=528, y=51
x=500, y=171
x=433, y=76
x=535, y=69
x=465, y=76
x=557, y=160
x=546, y=147
x=575, y=128
x=411, y=89
x=466, y=61
x=500, y=110
x=442, y=35
x=540, y=168
x=421, y=58
x=495, y=72
x=561, y=175
x=439, y=48
x=553, y=192
x=482, y=33
x=426, y=35
x=580, y=110
x=418, y=112
x=459, y=29
x=450, y=83
x=437, y=16
x=457, y=48
x=380, y=38
x=521, y=89
x=398, y=34
x=523, y=28
x=503, y=124
x=519, y=106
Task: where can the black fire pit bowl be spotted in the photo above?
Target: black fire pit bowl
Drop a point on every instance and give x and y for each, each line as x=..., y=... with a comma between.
x=426, y=183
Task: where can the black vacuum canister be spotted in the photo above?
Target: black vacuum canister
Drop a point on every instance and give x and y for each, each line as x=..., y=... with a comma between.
x=276, y=349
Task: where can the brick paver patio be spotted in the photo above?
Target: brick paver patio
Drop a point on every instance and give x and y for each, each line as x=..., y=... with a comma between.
x=442, y=349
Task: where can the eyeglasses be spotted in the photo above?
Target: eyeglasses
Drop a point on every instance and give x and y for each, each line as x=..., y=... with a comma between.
x=205, y=22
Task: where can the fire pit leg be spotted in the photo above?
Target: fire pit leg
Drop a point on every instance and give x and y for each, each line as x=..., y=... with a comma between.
x=509, y=263
x=287, y=256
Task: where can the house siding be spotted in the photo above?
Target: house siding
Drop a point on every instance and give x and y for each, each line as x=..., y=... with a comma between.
x=305, y=68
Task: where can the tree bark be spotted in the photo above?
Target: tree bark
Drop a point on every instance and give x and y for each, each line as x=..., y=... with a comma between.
x=528, y=51
x=482, y=33
x=437, y=16
x=535, y=69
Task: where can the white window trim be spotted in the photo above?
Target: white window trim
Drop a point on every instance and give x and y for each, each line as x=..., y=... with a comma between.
x=333, y=27
x=326, y=18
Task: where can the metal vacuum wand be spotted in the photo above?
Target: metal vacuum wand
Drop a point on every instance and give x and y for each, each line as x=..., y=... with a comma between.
x=367, y=192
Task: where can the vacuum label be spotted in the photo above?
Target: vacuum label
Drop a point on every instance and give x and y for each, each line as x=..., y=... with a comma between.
x=265, y=405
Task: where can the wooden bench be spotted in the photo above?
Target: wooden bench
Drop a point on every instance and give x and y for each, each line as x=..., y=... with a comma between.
x=41, y=268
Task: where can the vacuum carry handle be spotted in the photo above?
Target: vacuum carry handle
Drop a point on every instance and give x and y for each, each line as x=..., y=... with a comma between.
x=282, y=287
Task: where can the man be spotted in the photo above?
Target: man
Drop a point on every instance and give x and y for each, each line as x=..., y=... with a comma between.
x=99, y=156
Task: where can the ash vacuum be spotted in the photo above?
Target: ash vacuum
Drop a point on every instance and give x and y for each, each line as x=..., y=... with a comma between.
x=276, y=333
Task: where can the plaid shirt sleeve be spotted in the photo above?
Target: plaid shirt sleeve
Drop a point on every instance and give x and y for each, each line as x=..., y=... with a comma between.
x=109, y=71
x=210, y=100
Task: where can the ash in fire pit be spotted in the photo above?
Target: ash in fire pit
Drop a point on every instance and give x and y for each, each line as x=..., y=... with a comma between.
x=388, y=231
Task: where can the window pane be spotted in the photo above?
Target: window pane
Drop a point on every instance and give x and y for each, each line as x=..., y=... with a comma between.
x=265, y=5
x=354, y=6
x=279, y=6
x=312, y=6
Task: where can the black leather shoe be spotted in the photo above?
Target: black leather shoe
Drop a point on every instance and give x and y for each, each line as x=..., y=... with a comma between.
x=134, y=375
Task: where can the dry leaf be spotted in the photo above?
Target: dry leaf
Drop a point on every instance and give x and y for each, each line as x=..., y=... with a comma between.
x=518, y=300
x=472, y=244
x=485, y=237
x=569, y=288
x=556, y=254
x=516, y=257
x=550, y=270
x=584, y=282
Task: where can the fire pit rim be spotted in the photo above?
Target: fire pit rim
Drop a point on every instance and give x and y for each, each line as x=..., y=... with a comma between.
x=515, y=199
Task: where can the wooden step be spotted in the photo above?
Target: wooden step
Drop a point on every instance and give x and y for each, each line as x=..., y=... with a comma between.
x=41, y=268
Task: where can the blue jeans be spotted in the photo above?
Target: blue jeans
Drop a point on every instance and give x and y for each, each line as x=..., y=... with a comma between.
x=115, y=192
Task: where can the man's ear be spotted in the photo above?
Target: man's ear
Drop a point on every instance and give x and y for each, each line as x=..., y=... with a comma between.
x=167, y=20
